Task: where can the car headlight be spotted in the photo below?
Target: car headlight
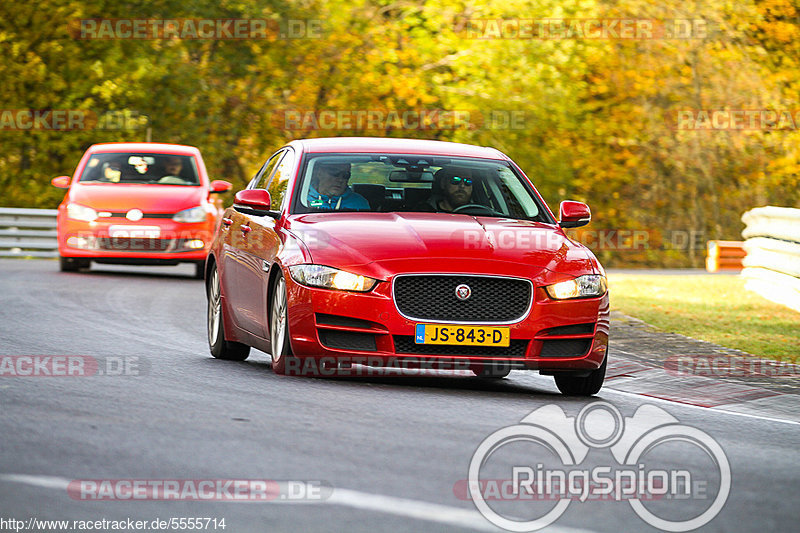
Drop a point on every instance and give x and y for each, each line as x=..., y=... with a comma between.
x=194, y=214
x=588, y=286
x=330, y=278
x=81, y=212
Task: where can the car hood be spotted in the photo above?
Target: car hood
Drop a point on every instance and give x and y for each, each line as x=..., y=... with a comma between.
x=148, y=198
x=381, y=244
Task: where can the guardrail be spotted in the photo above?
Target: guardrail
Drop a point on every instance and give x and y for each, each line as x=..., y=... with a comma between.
x=772, y=263
x=28, y=232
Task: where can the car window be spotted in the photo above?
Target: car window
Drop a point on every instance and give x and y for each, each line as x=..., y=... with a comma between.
x=262, y=177
x=415, y=183
x=141, y=168
x=280, y=178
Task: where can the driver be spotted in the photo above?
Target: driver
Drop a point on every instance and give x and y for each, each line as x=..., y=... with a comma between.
x=172, y=166
x=455, y=185
x=329, y=188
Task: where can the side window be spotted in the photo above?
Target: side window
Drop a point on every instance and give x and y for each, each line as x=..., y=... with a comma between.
x=280, y=179
x=262, y=177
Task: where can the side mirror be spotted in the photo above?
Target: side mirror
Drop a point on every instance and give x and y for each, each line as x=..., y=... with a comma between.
x=219, y=186
x=254, y=202
x=574, y=214
x=62, y=182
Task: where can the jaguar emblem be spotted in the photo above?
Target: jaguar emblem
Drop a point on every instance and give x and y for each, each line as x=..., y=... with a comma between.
x=463, y=292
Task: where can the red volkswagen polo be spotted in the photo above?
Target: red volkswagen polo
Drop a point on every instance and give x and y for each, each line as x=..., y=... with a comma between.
x=138, y=203
x=397, y=252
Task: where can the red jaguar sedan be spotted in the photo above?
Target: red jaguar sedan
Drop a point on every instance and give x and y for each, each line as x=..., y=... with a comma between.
x=138, y=203
x=368, y=252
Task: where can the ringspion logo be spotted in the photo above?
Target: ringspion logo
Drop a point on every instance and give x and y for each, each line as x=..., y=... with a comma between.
x=547, y=451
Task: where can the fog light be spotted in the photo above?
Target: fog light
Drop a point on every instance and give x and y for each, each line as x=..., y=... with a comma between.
x=195, y=244
x=78, y=242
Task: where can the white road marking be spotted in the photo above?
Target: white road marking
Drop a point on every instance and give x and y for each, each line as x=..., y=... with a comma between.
x=707, y=409
x=46, y=482
x=539, y=381
x=431, y=512
x=404, y=507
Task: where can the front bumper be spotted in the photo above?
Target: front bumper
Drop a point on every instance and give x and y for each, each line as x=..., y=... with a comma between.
x=569, y=335
x=166, y=241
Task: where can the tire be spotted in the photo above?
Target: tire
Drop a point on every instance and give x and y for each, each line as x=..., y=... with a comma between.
x=281, y=350
x=220, y=348
x=490, y=371
x=72, y=264
x=199, y=270
x=583, y=386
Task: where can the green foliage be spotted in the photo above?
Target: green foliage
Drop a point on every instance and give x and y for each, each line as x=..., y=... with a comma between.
x=587, y=119
x=711, y=307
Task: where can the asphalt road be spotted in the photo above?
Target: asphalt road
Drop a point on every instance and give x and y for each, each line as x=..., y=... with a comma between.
x=395, y=450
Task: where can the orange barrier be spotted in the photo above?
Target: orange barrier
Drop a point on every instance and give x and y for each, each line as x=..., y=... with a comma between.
x=724, y=255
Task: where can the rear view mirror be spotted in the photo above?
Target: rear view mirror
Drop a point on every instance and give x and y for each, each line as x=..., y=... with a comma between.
x=141, y=160
x=574, y=214
x=220, y=186
x=254, y=202
x=412, y=176
x=62, y=182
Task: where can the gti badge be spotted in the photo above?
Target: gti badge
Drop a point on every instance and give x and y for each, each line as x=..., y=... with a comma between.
x=463, y=292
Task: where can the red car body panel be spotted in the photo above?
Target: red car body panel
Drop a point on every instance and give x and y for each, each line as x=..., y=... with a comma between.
x=150, y=199
x=382, y=245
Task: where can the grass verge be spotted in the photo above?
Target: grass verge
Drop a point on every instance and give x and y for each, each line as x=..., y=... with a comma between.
x=714, y=308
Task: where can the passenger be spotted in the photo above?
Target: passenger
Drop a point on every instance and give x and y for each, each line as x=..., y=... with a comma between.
x=329, y=189
x=112, y=171
x=452, y=188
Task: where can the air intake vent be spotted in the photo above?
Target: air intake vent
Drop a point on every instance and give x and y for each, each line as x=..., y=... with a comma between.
x=347, y=340
x=565, y=347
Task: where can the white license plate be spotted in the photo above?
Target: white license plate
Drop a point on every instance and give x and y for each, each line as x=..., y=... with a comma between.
x=134, y=232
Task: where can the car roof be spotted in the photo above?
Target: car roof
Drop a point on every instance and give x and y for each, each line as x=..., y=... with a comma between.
x=145, y=148
x=396, y=146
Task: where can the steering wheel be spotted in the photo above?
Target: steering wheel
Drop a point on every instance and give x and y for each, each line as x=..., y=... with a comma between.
x=483, y=208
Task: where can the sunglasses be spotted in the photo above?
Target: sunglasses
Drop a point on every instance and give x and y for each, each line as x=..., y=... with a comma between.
x=455, y=180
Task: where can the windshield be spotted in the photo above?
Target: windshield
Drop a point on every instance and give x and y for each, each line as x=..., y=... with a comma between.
x=161, y=169
x=415, y=183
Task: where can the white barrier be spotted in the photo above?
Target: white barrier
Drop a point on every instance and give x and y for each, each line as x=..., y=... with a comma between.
x=28, y=232
x=772, y=263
